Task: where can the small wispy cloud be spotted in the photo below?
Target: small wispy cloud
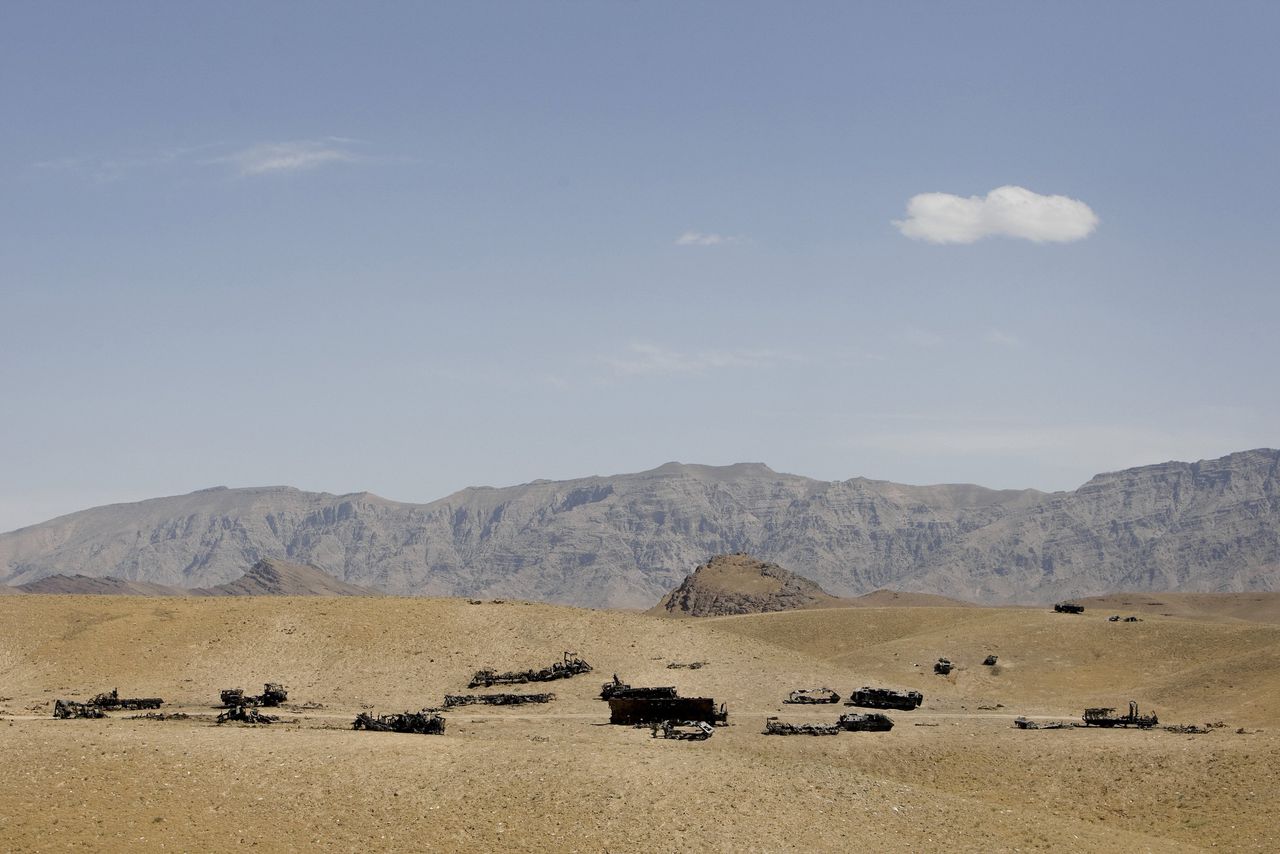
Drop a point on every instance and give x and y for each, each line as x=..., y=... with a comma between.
x=646, y=359
x=1000, y=338
x=1005, y=211
x=295, y=156
x=698, y=238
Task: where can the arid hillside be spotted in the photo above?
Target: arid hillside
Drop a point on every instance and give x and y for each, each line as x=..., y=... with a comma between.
x=953, y=774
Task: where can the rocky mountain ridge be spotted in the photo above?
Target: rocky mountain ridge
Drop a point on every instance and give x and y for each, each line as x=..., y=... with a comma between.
x=625, y=540
x=267, y=577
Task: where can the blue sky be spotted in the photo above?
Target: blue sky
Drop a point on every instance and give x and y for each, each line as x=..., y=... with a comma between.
x=414, y=247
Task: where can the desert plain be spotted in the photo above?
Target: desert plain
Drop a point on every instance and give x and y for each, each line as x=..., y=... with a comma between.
x=952, y=775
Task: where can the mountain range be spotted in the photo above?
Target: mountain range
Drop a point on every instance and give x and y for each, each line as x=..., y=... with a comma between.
x=626, y=540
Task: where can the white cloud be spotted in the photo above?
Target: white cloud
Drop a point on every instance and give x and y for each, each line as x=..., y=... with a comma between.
x=1005, y=211
x=697, y=238
x=295, y=156
x=645, y=359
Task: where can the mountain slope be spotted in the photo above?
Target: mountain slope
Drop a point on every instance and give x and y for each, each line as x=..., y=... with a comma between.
x=626, y=540
x=740, y=584
x=267, y=577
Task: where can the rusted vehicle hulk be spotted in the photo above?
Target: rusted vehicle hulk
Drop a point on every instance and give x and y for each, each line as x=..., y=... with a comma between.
x=425, y=722
x=682, y=730
x=871, y=722
x=273, y=694
x=630, y=711
x=570, y=665
x=246, y=715
x=618, y=688
x=990, y=661
x=1026, y=723
x=64, y=709
x=451, y=700
x=885, y=698
x=812, y=696
x=1105, y=717
x=687, y=665
x=943, y=666
x=774, y=726
x=112, y=700
x=1068, y=608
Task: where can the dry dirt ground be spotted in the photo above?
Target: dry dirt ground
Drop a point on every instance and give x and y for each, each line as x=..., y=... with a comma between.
x=557, y=778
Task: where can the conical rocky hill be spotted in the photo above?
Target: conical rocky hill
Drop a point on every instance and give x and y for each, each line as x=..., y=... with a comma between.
x=740, y=584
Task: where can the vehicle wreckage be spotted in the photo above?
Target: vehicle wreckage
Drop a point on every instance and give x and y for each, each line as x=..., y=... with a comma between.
x=570, y=665
x=870, y=722
x=681, y=730
x=687, y=665
x=111, y=701
x=990, y=661
x=425, y=722
x=618, y=688
x=1068, y=608
x=1107, y=717
x=774, y=726
x=629, y=711
x=451, y=700
x=246, y=714
x=812, y=696
x=885, y=698
x=1026, y=723
x=64, y=709
x=273, y=694
x=943, y=666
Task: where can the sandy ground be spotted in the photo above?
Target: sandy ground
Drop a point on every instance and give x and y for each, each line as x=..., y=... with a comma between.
x=557, y=778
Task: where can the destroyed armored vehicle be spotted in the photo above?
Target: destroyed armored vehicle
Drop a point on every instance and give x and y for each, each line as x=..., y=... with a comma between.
x=682, y=730
x=246, y=715
x=1105, y=717
x=812, y=696
x=273, y=694
x=989, y=661
x=943, y=666
x=425, y=722
x=451, y=700
x=618, y=688
x=64, y=709
x=569, y=666
x=1068, y=608
x=642, y=710
x=870, y=722
x=111, y=700
x=774, y=726
x=884, y=698
x=1026, y=723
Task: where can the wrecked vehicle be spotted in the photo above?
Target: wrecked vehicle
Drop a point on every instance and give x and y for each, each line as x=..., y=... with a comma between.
x=1068, y=608
x=273, y=694
x=682, y=730
x=990, y=661
x=111, y=700
x=774, y=726
x=1106, y=717
x=618, y=688
x=885, y=698
x=687, y=665
x=943, y=666
x=812, y=696
x=630, y=711
x=64, y=709
x=569, y=665
x=451, y=700
x=869, y=722
x=425, y=722
x=246, y=715
x=1026, y=723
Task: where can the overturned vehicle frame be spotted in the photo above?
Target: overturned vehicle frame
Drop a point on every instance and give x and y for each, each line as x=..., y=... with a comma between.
x=630, y=711
x=885, y=698
x=425, y=722
x=569, y=665
x=111, y=700
x=814, y=696
x=1106, y=717
x=618, y=688
x=246, y=714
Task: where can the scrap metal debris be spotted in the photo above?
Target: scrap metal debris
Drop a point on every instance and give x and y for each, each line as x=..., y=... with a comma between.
x=885, y=698
x=246, y=715
x=1068, y=608
x=64, y=709
x=1107, y=717
x=570, y=665
x=451, y=700
x=682, y=730
x=812, y=696
x=618, y=688
x=111, y=700
x=869, y=722
x=774, y=726
x=425, y=722
x=943, y=666
x=273, y=694
x=1027, y=723
x=687, y=665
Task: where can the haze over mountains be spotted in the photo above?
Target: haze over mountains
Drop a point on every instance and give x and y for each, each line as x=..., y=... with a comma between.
x=625, y=540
